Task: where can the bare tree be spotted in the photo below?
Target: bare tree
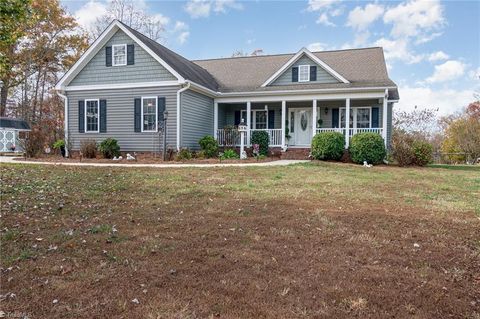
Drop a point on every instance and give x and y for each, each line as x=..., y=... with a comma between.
x=241, y=53
x=128, y=12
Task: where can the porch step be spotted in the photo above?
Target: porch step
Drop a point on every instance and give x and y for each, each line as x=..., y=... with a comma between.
x=296, y=153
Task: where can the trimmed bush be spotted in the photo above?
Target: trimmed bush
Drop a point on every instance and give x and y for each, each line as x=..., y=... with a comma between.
x=262, y=139
x=88, y=148
x=423, y=153
x=328, y=146
x=367, y=147
x=109, y=148
x=184, y=154
x=209, y=146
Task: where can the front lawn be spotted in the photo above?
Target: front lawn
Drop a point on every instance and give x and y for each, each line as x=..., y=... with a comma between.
x=305, y=241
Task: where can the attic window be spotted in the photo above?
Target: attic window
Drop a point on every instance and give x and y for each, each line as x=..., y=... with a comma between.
x=303, y=73
x=119, y=54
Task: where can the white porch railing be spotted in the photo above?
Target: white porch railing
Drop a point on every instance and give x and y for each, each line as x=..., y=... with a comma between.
x=232, y=136
x=351, y=131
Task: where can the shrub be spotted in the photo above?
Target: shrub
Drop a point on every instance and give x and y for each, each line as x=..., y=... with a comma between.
x=184, y=154
x=229, y=154
x=262, y=139
x=423, y=152
x=109, y=148
x=33, y=142
x=209, y=146
x=368, y=147
x=88, y=148
x=328, y=146
x=401, y=146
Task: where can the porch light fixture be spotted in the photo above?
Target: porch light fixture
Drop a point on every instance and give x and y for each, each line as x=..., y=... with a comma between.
x=266, y=107
x=326, y=110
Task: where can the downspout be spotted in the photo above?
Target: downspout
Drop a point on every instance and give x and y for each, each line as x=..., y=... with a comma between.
x=65, y=99
x=179, y=92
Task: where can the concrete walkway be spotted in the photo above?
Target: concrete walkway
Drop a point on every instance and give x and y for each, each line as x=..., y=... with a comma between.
x=8, y=159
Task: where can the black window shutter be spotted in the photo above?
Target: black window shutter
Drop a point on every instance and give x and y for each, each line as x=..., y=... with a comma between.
x=108, y=56
x=103, y=116
x=295, y=74
x=130, y=54
x=313, y=73
x=271, y=119
x=81, y=116
x=237, y=117
x=375, y=117
x=335, y=116
x=137, y=115
x=161, y=109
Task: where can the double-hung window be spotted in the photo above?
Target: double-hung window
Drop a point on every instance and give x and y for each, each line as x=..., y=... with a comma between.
x=91, y=116
x=303, y=73
x=149, y=114
x=119, y=54
x=259, y=118
x=360, y=117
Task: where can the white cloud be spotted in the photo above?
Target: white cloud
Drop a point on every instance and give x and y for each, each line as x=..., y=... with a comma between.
x=203, y=8
x=325, y=20
x=88, y=14
x=360, y=19
x=398, y=50
x=317, y=46
x=475, y=74
x=181, y=30
x=415, y=18
x=326, y=10
x=447, y=101
x=437, y=56
x=447, y=71
x=158, y=17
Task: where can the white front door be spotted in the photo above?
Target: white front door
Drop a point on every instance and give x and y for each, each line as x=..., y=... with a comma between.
x=301, y=130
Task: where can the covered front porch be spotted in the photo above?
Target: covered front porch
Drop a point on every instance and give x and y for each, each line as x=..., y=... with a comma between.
x=293, y=123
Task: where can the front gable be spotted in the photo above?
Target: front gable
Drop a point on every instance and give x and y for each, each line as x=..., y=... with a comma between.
x=144, y=68
x=289, y=73
x=320, y=74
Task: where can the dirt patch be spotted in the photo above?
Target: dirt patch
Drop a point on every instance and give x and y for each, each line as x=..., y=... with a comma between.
x=312, y=240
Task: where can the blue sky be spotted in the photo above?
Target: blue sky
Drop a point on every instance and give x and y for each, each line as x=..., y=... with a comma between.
x=432, y=48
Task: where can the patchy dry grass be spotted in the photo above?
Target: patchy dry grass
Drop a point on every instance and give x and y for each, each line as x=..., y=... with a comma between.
x=312, y=240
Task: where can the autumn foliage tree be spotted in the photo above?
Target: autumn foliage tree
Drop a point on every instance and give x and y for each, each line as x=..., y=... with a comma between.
x=462, y=134
x=38, y=50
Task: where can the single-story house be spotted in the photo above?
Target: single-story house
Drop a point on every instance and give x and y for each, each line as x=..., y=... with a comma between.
x=121, y=86
x=12, y=132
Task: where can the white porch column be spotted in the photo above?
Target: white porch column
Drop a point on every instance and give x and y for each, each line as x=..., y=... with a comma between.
x=284, y=115
x=384, y=117
x=347, y=123
x=314, y=118
x=249, y=107
x=215, y=120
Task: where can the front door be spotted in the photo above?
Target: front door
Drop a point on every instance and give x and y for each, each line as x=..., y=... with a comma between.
x=301, y=131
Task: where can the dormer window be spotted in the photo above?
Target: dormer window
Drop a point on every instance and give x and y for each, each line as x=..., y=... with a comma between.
x=119, y=54
x=303, y=73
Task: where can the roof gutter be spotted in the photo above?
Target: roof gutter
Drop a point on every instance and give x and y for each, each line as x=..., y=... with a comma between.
x=179, y=113
x=65, y=125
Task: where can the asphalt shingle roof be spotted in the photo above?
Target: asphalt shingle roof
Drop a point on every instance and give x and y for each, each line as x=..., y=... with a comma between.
x=361, y=67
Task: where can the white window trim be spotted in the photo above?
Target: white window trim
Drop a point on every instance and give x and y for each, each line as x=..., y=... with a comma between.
x=156, y=114
x=85, y=115
x=354, y=110
x=308, y=72
x=113, y=54
x=253, y=120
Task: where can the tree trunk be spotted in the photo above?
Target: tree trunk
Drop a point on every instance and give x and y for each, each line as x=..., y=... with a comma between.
x=3, y=99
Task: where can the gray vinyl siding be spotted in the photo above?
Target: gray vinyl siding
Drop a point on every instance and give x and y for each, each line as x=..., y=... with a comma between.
x=322, y=75
x=120, y=118
x=196, y=118
x=145, y=69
